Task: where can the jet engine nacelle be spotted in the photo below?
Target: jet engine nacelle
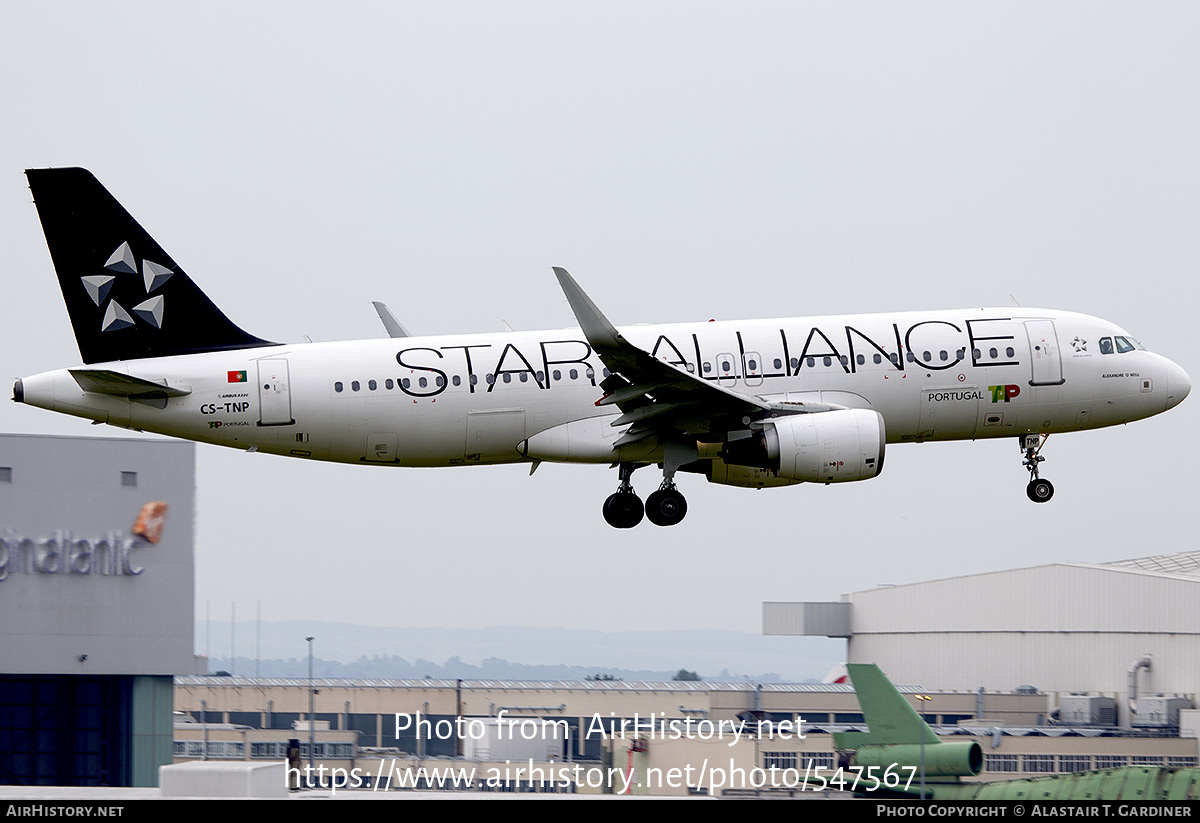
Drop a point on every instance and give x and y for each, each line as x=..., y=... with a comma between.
x=824, y=447
x=945, y=759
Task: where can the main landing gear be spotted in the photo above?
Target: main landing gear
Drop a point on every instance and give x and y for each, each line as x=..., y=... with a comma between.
x=1038, y=490
x=667, y=506
x=624, y=510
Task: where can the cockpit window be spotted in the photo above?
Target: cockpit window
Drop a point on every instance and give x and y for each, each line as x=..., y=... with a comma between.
x=1123, y=344
x=1106, y=346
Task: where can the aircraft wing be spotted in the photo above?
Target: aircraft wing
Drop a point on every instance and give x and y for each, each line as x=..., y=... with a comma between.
x=655, y=395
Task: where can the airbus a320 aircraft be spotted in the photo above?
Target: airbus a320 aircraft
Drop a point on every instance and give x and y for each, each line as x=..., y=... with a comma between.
x=756, y=403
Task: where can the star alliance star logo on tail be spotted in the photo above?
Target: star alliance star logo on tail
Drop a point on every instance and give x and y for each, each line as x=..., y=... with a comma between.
x=116, y=317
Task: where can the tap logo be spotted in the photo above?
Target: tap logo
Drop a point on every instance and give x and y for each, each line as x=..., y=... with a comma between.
x=1004, y=393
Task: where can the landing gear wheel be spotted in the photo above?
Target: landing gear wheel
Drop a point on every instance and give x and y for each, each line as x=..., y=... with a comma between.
x=665, y=507
x=1039, y=491
x=623, y=510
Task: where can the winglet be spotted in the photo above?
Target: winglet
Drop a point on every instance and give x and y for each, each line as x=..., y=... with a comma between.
x=394, y=327
x=602, y=334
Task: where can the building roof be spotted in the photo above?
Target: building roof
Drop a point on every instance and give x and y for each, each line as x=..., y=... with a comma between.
x=1183, y=564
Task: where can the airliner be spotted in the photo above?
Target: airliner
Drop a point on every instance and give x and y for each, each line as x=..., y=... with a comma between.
x=755, y=403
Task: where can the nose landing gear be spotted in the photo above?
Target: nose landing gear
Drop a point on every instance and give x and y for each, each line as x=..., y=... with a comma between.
x=1038, y=490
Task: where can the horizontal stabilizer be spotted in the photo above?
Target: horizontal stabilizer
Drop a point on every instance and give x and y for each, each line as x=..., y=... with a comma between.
x=104, y=381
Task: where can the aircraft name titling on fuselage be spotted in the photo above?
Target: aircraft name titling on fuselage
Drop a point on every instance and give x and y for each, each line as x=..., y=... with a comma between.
x=817, y=348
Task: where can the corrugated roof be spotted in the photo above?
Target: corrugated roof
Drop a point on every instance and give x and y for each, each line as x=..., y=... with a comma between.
x=538, y=685
x=1183, y=564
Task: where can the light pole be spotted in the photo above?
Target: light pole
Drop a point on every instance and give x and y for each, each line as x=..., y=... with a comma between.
x=312, y=726
x=921, y=697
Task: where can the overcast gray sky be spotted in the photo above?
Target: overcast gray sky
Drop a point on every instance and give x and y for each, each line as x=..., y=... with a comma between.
x=684, y=161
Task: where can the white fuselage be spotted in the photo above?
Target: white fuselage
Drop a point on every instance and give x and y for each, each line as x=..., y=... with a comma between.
x=460, y=400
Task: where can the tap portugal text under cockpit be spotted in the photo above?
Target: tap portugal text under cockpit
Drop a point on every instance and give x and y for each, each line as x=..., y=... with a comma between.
x=753, y=403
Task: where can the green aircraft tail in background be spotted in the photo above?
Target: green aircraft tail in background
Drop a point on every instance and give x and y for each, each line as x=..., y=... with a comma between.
x=897, y=735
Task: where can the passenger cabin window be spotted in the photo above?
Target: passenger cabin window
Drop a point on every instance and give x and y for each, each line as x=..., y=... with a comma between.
x=372, y=385
x=354, y=385
x=337, y=386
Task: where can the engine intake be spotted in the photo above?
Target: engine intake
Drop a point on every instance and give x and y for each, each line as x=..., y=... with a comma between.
x=824, y=447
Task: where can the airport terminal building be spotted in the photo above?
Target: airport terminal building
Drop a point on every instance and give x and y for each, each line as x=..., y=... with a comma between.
x=96, y=606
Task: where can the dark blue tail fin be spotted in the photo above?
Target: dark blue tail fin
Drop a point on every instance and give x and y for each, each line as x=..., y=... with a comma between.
x=126, y=297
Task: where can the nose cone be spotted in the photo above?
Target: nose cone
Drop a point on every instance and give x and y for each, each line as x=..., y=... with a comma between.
x=1178, y=384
